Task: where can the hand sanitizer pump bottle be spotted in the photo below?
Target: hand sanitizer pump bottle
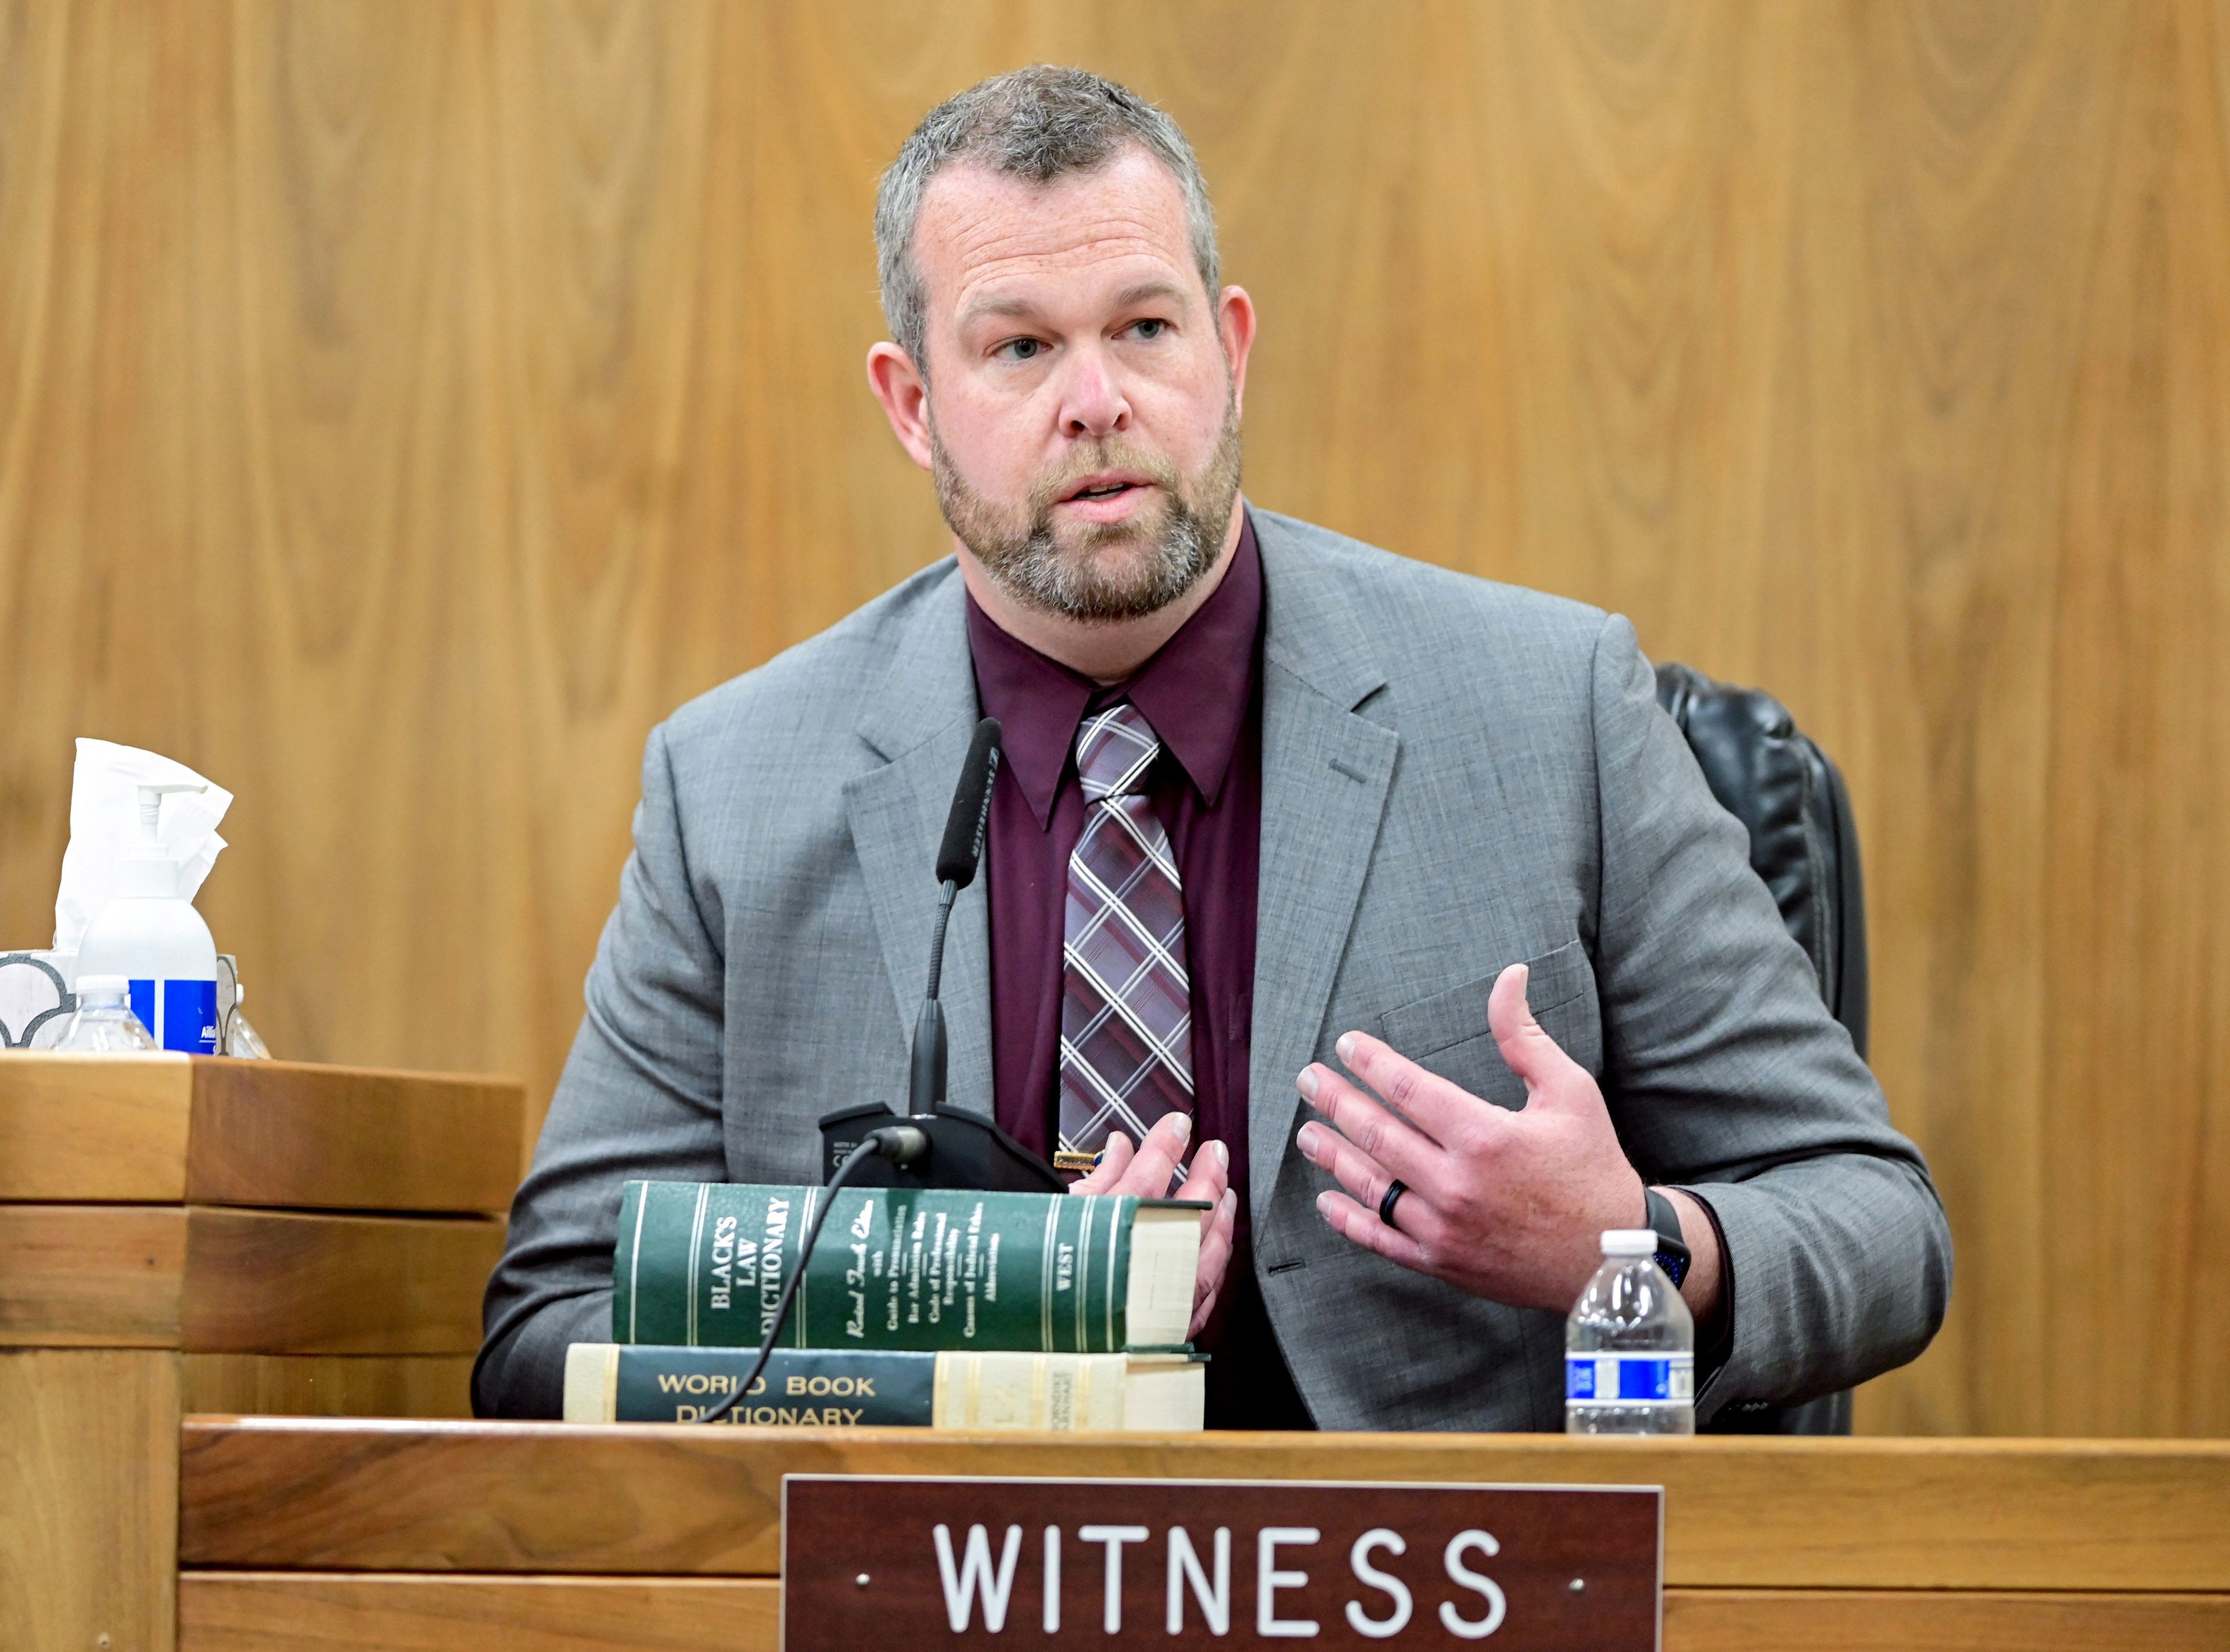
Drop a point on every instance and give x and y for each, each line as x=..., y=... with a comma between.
x=150, y=935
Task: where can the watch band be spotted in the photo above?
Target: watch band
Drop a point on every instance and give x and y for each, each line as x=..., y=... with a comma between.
x=1672, y=1248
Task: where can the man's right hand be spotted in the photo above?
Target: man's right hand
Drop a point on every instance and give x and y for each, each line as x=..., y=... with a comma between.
x=1147, y=1171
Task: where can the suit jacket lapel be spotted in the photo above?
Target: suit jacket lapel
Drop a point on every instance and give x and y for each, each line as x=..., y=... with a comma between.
x=1325, y=774
x=920, y=717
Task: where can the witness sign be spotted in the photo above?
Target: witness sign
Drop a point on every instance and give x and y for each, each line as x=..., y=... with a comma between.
x=1174, y=1564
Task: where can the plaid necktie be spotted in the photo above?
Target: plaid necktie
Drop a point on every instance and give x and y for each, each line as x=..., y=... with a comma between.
x=1126, y=998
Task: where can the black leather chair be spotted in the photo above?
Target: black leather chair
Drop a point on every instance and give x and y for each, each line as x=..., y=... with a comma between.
x=1805, y=846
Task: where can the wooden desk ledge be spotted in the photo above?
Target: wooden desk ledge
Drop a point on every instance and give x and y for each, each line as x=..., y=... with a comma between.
x=277, y=1135
x=2053, y=1517
x=262, y=1611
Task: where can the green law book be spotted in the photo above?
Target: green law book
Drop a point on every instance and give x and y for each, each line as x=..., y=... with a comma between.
x=702, y=1264
x=1060, y=1393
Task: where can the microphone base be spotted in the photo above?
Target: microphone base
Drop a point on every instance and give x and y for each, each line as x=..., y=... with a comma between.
x=965, y=1151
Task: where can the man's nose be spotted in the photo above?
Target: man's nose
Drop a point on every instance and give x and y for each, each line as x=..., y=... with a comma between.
x=1093, y=401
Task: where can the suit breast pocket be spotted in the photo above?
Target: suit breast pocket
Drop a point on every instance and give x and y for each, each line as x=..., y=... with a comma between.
x=1448, y=1033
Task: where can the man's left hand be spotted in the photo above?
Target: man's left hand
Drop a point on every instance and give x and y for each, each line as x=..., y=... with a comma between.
x=1509, y=1205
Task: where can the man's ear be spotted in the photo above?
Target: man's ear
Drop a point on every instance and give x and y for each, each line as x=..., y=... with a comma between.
x=1235, y=326
x=900, y=387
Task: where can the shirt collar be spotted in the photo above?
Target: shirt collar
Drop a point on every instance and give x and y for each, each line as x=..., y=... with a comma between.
x=1195, y=690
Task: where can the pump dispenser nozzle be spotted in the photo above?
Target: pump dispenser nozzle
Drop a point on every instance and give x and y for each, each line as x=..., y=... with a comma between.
x=151, y=807
x=149, y=869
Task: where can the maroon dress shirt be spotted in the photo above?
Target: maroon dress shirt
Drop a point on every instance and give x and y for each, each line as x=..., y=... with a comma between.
x=1202, y=693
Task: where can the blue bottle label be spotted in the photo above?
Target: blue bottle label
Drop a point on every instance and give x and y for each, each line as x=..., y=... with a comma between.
x=189, y=1020
x=143, y=1004
x=1614, y=1378
x=190, y=1016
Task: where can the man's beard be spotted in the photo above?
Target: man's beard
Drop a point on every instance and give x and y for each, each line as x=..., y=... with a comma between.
x=1100, y=572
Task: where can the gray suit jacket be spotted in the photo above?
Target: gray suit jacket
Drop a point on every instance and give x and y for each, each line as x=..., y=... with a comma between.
x=1456, y=775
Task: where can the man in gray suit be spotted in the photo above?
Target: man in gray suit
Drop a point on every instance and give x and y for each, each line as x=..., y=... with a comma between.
x=1277, y=804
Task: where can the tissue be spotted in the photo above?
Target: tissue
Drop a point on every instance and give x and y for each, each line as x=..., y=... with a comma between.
x=105, y=824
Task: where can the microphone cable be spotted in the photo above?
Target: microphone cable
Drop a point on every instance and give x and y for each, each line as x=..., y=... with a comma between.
x=900, y=1143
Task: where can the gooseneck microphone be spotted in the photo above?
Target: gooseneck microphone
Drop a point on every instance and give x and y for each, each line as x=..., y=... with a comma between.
x=966, y=1148
x=957, y=856
x=961, y=852
x=864, y=1145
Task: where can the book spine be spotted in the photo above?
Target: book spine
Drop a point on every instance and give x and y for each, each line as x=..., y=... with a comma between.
x=800, y=1388
x=836, y=1388
x=1059, y=1393
x=704, y=1265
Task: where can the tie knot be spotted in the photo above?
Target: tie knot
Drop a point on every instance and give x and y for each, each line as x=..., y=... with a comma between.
x=1114, y=750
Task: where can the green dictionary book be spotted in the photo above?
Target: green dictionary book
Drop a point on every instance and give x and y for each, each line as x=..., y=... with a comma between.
x=702, y=1264
x=1072, y=1393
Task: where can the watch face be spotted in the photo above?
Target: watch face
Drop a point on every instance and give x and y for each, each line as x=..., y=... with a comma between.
x=1672, y=1256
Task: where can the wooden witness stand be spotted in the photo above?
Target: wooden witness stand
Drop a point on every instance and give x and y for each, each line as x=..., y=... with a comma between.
x=185, y=1237
x=538, y=1536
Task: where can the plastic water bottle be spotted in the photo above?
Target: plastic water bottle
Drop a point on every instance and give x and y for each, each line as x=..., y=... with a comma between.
x=104, y=1024
x=1630, y=1346
x=241, y=1040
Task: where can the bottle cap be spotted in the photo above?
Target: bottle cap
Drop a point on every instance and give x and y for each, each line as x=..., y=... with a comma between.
x=1629, y=1242
x=93, y=986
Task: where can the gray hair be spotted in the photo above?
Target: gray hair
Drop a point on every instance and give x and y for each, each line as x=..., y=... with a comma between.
x=1035, y=123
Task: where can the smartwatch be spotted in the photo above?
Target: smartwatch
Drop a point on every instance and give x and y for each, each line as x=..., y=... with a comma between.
x=1672, y=1249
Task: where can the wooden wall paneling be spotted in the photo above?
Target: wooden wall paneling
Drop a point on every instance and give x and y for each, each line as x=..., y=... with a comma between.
x=81, y=95
x=90, y=1276
x=2135, y=1035
x=2206, y=1397
x=1916, y=1514
x=357, y=461
x=279, y=1385
x=594, y=260
x=232, y=1611
x=1980, y=145
x=89, y=1498
x=404, y=405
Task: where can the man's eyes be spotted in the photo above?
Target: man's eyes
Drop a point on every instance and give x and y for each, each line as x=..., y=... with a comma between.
x=1028, y=350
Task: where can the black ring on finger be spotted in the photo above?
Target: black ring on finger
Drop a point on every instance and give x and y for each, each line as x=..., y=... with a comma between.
x=1395, y=1189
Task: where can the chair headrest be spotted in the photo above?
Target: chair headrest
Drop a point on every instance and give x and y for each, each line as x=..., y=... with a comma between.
x=1789, y=798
